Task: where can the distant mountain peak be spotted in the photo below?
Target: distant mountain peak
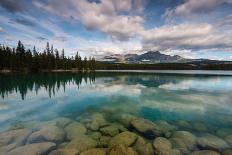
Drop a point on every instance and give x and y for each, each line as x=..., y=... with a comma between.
x=147, y=57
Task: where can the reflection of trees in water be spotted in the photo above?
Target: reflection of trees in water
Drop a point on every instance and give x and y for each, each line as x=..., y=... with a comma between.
x=53, y=82
x=22, y=83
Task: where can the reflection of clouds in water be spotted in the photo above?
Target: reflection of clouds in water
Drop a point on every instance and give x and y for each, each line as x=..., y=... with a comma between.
x=209, y=85
x=113, y=89
x=3, y=106
x=5, y=117
x=187, y=101
x=173, y=106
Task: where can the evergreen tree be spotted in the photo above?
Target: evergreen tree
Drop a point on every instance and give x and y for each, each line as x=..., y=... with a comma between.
x=25, y=59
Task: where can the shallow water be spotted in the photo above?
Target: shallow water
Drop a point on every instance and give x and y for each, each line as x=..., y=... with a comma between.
x=195, y=103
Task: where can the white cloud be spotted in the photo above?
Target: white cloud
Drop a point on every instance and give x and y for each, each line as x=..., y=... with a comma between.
x=197, y=6
x=108, y=16
x=191, y=7
x=1, y=29
x=186, y=36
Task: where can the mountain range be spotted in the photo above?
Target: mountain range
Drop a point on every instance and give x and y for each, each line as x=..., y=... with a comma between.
x=147, y=57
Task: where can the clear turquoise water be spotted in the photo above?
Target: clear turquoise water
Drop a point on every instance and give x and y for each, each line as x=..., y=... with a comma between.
x=205, y=99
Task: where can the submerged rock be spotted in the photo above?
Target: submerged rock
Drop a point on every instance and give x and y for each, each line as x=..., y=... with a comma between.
x=95, y=151
x=65, y=152
x=75, y=129
x=111, y=130
x=126, y=119
x=63, y=122
x=104, y=141
x=228, y=139
x=204, y=152
x=95, y=135
x=163, y=146
x=81, y=143
x=146, y=127
x=227, y=152
x=122, y=150
x=178, y=144
x=209, y=141
x=33, y=149
x=125, y=138
x=200, y=127
x=13, y=138
x=223, y=132
x=49, y=133
x=183, y=124
x=98, y=121
x=142, y=147
x=188, y=138
x=165, y=128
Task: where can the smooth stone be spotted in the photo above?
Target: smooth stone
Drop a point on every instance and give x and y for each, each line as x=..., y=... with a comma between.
x=95, y=151
x=17, y=137
x=228, y=139
x=75, y=129
x=178, y=144
x=126, y=119
x=227, y=152
x=122, y=150
x=146, y=127
x=111, y=130
x=104, y=141
x=63, y=122
x=12, y=139
x=16, y=126
x=48, y=133
x=204, y=152
x=82, y=143
x=165, y=126
x=209, y=141
x=64, y=152
x=142, y=147
x=188, y=138
x=98, y=121
x=120, y=127
x=95, y=135
x=163, y=146
x=183, y=124
x=200, y=127
x=33, y=149
x=125, y=138
x=223, y=132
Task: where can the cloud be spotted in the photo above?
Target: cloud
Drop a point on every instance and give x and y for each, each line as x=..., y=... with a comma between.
x=186, y=36
x=41, y=38
x=191, y=7
x=13, y=6
x=24, y=22
x=107, y=16
x=1, y=29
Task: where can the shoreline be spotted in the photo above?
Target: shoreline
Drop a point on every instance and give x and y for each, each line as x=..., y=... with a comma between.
x=186, y=72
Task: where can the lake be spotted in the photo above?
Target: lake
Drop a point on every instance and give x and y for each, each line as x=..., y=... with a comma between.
x=58, y=112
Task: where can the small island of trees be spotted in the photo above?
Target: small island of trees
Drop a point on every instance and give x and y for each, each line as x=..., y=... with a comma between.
x=22, y=59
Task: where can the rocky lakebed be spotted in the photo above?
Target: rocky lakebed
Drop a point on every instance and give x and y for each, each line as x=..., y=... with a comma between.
x=101, y=133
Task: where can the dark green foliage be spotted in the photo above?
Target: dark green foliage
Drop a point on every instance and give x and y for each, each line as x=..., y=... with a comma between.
x=27, y=60
x=217, y=65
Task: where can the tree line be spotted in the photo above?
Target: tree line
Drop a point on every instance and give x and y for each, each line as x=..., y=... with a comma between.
x=22, y=59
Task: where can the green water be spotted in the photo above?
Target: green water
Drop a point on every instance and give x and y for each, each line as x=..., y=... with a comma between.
x=195, y=103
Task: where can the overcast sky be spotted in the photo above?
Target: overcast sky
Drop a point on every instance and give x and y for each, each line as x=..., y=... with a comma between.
x=189, y=28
